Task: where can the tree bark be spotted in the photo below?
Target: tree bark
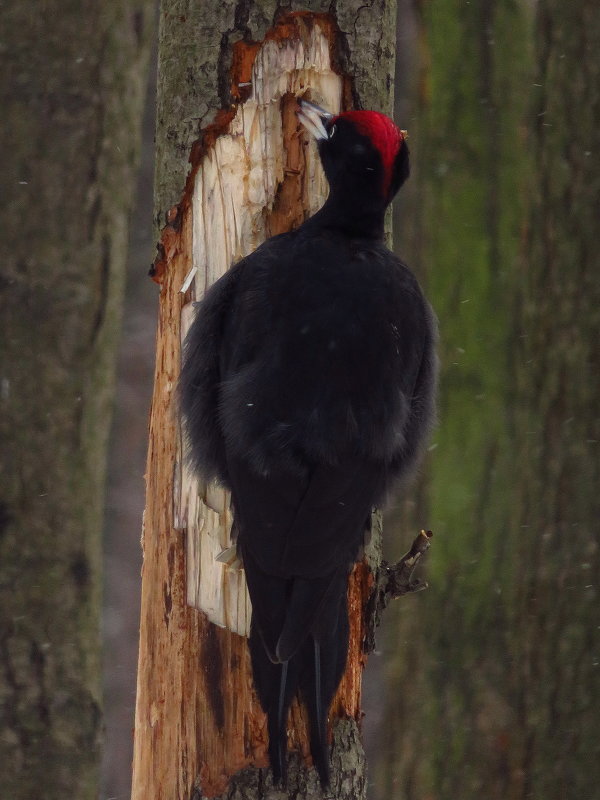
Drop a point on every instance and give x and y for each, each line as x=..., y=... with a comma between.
x=498, y=678
x=72, y=86
x=199, y=729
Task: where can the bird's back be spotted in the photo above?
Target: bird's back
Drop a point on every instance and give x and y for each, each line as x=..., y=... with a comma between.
x=322, y=351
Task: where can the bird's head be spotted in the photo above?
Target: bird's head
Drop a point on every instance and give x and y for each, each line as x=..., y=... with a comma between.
x=363, y=152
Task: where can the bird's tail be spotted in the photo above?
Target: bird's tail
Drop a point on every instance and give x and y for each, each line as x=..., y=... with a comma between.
x=276, y=686
x=300, y=641
x=324, y=657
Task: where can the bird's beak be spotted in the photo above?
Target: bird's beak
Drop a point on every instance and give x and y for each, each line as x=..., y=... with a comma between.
x=312, y=117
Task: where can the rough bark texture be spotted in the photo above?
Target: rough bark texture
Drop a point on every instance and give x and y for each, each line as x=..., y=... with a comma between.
x=197, y=720
x=501, y=688
x=71, y=86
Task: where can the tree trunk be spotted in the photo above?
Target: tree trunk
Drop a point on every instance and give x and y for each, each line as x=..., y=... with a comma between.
x=502, y=666
x=72, y=86
x=199, y=729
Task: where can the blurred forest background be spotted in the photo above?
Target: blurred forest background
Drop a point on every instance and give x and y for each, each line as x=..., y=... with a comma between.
x=488, y=684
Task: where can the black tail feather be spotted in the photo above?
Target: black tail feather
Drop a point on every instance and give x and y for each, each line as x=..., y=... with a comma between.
x=268, y=594
x=324, y=664
x=318, y=721
x=307, y=602
x=276, y=686
x=318, y=704
x=299, y=637
x=277, y=737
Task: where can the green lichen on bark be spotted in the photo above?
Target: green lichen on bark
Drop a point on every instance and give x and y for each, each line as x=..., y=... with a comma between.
x=72, y=88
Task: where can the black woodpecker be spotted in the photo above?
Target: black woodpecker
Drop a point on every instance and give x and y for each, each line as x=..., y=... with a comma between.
x=307, y=389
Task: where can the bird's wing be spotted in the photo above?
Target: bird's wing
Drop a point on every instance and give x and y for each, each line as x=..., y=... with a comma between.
x=307, y=524
x=298, y=533
x=417, y=374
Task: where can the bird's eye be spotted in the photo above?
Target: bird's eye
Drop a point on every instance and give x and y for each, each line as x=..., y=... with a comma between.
x=332, y=131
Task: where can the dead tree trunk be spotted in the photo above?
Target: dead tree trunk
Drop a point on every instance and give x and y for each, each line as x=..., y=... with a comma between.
x=199, y=730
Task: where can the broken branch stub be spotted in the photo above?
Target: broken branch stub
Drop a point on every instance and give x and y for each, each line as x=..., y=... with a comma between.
x=393, y=581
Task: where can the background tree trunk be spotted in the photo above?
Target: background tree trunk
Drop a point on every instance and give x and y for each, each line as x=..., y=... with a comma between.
x=193, y=677
x=494, y=690
x=72, y=86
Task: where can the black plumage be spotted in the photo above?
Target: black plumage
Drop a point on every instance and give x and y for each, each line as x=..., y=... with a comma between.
x=307, y=389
